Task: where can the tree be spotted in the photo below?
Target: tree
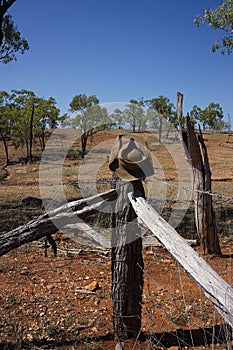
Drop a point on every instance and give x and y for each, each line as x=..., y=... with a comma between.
x=211, y=116
x=46, y=116
x=220, y=18
x=66, y=121
x=134, y=114
x=214, y=115
x=118, y=117
x=6, y=121
x=11, y=41
x=32, y=116
x=162, y=109
x=140, y=114
x=24, y=108
x=4, y=7
x=81, y=103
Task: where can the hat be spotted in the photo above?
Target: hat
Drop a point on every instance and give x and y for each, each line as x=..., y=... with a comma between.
x=130, y=159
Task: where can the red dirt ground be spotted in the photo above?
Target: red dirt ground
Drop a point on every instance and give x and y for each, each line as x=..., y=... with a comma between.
x=64, y=302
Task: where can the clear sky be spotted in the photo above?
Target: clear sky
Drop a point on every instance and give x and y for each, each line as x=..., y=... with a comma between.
x=118, y=50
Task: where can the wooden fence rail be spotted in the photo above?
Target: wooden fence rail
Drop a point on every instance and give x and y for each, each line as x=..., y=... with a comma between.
x=49, y=223
x=214, y=287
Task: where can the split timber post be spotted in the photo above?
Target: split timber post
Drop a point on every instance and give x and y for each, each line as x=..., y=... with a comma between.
x=197, y=158
x=127, y=264
x=204, y=212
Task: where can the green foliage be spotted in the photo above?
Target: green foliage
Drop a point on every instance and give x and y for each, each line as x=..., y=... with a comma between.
x=160, y=111
x=162, y=106
x=6, y=116
x=81, y=102
x=220, y=18
x=118, y=117
x=7, y=120
x=210, y=117
x=86, y=119
x=92, y=117
x=134, y=115
x=12, y=42
x=24, y=116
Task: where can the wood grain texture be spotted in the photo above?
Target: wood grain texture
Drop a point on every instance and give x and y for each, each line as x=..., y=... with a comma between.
x=215, y=288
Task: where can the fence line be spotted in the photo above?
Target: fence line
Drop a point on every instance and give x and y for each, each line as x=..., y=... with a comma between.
x=110, y=181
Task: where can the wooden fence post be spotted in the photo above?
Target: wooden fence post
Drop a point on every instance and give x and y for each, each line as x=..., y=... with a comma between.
x=198, y=161
x=127, y=264
x=204, y=213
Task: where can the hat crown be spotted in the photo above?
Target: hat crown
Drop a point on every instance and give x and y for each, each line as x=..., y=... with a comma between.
x=134, y=155
x=130, y=159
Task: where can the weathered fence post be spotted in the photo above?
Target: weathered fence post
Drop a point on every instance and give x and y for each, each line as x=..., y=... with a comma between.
x=197, y=157
x=204, y=213
x=127, y=265
x=130, y=162
x=211, y=241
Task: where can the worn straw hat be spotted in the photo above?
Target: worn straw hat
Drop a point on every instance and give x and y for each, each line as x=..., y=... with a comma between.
x=130, y=159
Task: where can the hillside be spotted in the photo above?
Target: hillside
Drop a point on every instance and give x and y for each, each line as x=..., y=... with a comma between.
x=65, y=301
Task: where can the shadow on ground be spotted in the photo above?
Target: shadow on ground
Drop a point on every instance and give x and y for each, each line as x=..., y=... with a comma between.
x=218, y=334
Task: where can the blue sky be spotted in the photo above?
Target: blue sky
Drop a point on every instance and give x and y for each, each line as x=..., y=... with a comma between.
x=118, y=50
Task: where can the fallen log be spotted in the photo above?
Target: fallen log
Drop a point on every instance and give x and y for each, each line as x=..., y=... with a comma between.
x=214, y=287
x=53, y=221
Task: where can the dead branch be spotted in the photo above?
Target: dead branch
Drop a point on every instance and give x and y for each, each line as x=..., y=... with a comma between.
x=53, y=221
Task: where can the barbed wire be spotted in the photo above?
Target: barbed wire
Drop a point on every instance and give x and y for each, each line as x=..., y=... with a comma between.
x=111, y=182
x=184, y=188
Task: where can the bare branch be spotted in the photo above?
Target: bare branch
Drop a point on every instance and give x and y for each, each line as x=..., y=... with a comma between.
x=49, y=223
x=5, y=5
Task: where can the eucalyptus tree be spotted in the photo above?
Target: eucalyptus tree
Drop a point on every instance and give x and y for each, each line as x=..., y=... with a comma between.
x=220, y=18
x=11, y=41
x=98, y=115
x=83, y=120
x=214, y=115
x=4, y=7
x=140, y=113
x=81, y=103
x=160, y=110
x=46, y=116
x=34, y=115
x=211, y=116
x=7, y=121
x=24, y=102
x=118, y=117
x=134, y=115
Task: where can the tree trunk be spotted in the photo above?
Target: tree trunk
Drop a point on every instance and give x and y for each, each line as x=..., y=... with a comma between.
x=1, y=32
x=31, y=134
x=5, y=147
x=204, y=213
x=160, y=128
x=84, y=143
x=42, y=139
x=27, y=149
x=127, y=265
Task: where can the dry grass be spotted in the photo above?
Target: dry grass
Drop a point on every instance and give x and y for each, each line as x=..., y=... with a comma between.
x=41, y=305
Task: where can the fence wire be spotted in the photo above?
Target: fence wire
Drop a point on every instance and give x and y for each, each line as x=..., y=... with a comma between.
x=65, y=302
